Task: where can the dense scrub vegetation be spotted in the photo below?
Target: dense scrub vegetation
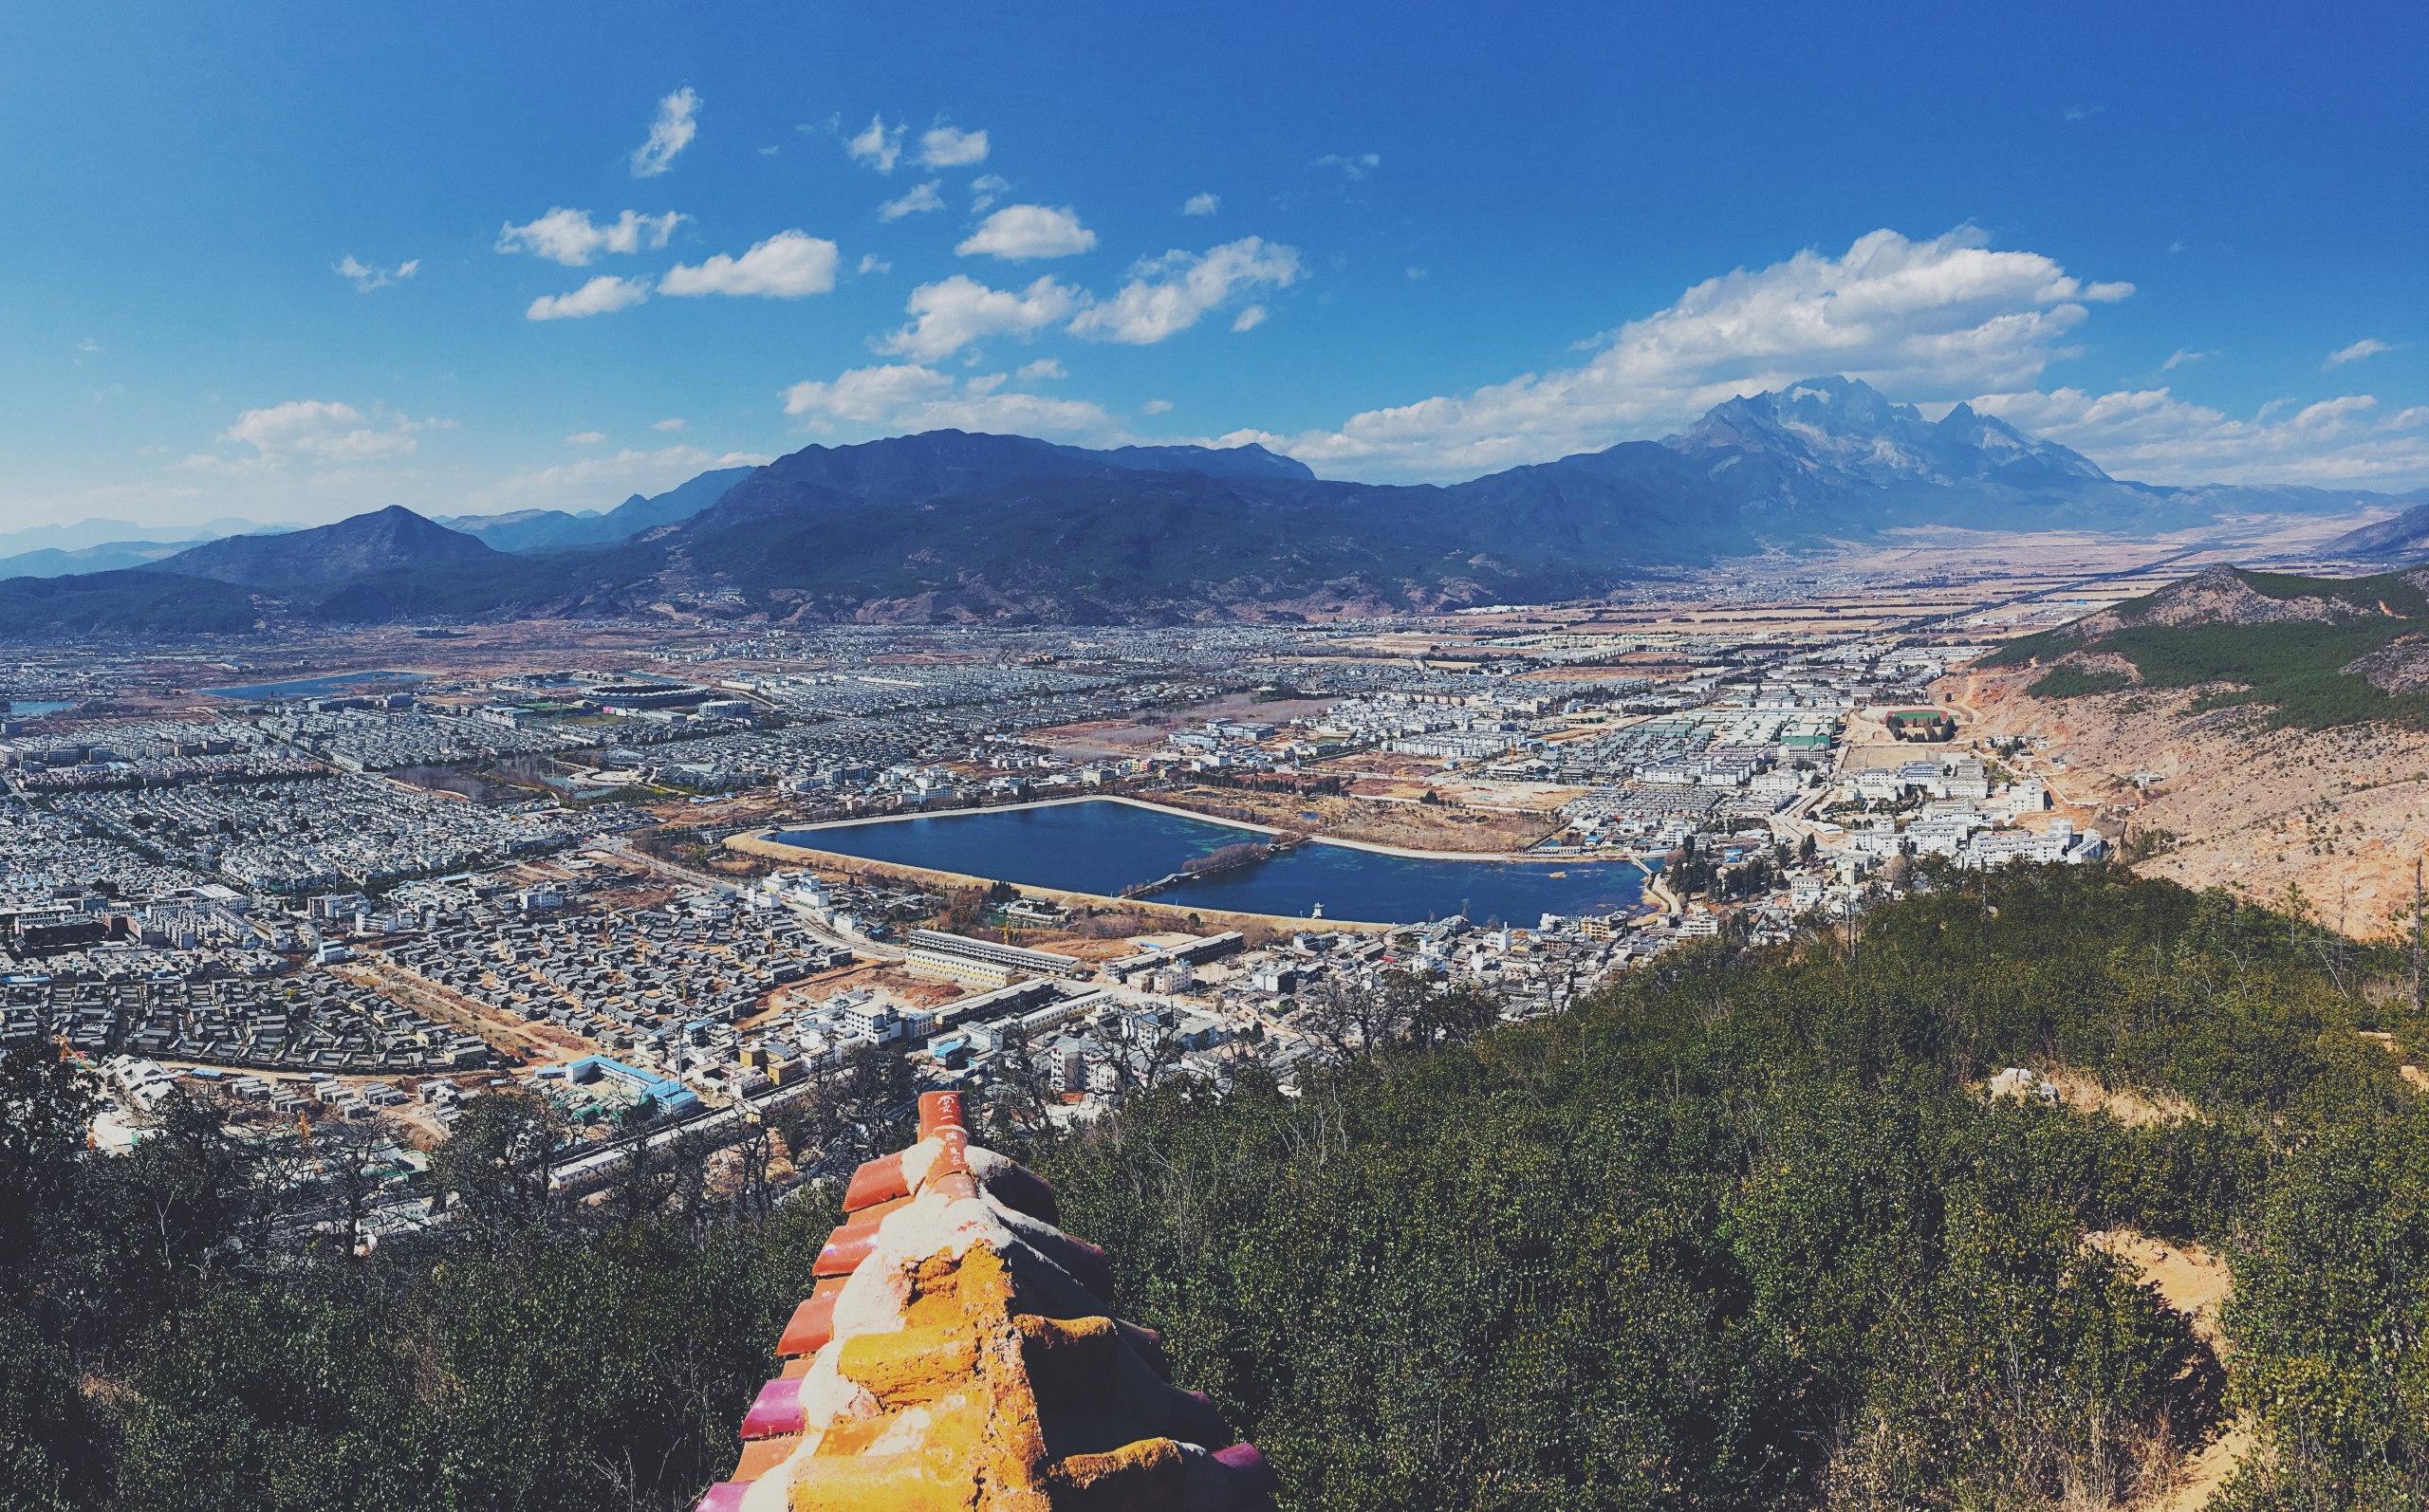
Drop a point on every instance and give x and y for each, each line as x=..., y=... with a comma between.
x=1741, y=1233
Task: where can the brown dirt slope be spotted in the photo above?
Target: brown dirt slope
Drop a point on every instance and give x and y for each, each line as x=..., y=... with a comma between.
x=2343, y=813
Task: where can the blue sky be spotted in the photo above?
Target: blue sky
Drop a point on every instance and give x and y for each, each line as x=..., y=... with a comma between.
x=289, y=262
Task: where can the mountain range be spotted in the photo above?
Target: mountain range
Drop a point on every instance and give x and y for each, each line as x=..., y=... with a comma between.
x=950, y=526
x=556, y=530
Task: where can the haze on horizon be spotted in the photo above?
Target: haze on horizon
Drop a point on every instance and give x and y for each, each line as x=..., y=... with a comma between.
x=281, y=269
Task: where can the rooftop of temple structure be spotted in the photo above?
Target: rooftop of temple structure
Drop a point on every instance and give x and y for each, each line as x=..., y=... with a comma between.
x=958, y=1352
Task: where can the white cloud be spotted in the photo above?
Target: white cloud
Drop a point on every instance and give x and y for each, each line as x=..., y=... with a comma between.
x=768, y=152
x=787, y=266
x=916, y=202
x=325, y=432
x=960, y=310
x=1934, y=319
x=1415, y=273
x=672, y=422
x=871, y=263
x=1156, y=407
x=2183, y=354
x=1018, y=232
x=669, y=134
x=903, y=397
x=366, y=278
x=1206, y=204
x=985, y=187
x=1354, y=166
x=585, y=438
x=1169, y=294
x=879, y=146
x=1249, y=319
x=943, y=147
x=1045, y=367
x=566, y=236
x=2368, y=346
x=627, y=472
x=603, y=295
x=2152, y=436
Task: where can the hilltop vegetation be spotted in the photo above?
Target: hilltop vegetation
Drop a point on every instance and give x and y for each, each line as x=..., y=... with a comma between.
x=130, y=602
x=2317, y=653
x=1740, y=1232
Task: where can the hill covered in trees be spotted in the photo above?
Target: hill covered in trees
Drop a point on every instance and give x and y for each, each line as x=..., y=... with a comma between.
x=1742, y=1231
x=2316, y=653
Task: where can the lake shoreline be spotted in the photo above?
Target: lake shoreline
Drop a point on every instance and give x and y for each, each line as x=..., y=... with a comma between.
x=1089, y=849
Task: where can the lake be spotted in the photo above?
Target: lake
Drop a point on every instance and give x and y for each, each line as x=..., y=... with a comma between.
x=334, y=685
x=1102, y=847
x=35, y=708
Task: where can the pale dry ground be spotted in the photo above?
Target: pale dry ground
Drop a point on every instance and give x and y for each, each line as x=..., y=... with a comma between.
x=2344, y=812
x=2195, y=1282
x=2133, y=1109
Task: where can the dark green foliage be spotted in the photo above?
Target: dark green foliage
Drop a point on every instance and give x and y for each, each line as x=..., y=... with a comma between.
x=131, y=602
x=1738, y=1233
x=2291, y=667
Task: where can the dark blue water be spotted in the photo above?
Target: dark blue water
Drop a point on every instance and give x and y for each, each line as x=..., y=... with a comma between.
x=1103, y=847
x=336, y=684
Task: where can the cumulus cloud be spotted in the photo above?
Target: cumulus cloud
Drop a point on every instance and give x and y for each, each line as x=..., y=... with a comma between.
x=983, y=188
x=1248, y=320
x=943, y=147
x=366, y=278
x=1156, y=407
x=585, y=438
x=672, y=422
x=787, y=266
x=1947, y=317
x=1045, y=367
x=669, y=134
x=920, y=200
x=880, y=147
x=603, y=295
x=567, y=237
x=960, y=310
x=1019, y=232
x=1201, y=203
x=871, y=263
x=627, y=472
x=1168, y=294
x=909, y=398
x=2368, y=346
x=2153, y=436
x=1353, y=166
x=325, y=432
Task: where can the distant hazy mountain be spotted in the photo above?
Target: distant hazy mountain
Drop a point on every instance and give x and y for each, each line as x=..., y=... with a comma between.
x=327, y=554
x=952, y=526
x=2406, y=535
x=554, y=529
x=109, y=557
x=127, y=604
x=101, y=532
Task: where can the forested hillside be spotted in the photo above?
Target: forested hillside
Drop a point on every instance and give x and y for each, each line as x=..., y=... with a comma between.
x=1742, y=1232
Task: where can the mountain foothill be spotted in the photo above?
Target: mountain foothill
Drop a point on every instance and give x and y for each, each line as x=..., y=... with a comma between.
x=949, y=527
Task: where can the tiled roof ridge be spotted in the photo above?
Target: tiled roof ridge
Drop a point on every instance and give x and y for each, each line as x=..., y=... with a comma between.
x=957, y=1351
